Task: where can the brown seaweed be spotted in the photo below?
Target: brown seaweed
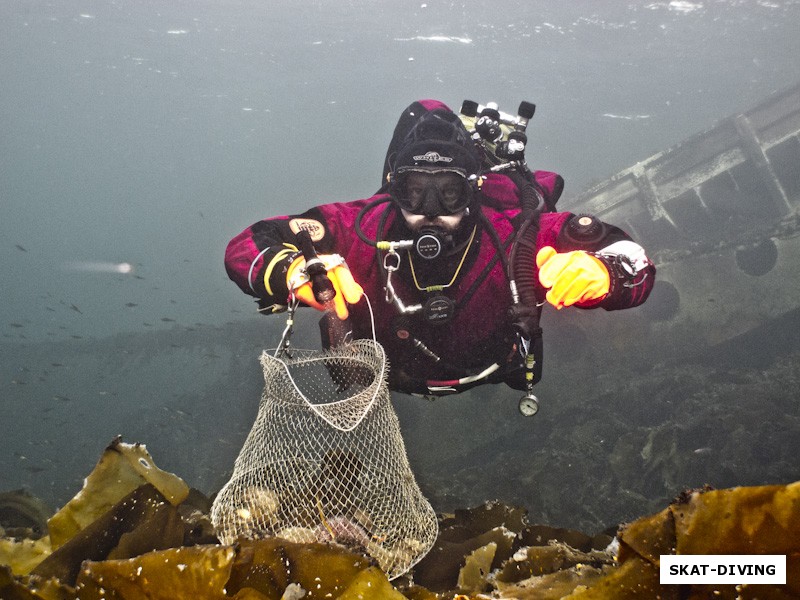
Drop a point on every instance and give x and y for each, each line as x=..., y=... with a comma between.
x=535, y=561
x=121, y=469
x=173, y=574
x=22, y=555
x=270, y=565
x=141, y=522
x=741, y=520
x=262, y=569
x=143, y=547
x=32, y=588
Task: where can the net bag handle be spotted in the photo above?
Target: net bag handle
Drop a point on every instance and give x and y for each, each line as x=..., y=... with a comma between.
x=328, y=410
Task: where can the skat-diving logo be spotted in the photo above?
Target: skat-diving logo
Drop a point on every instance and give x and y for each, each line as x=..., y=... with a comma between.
x=433, y=157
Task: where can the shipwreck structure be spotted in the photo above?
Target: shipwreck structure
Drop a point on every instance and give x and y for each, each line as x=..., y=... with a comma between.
x=718, y=212
x=744, y=171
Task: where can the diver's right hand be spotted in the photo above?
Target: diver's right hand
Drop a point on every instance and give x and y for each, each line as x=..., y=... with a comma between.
x=347, y=290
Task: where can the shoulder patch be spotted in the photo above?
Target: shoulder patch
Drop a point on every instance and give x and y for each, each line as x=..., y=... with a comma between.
x=312, y=226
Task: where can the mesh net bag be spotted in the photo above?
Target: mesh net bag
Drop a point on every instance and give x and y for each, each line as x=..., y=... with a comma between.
x=325, y=461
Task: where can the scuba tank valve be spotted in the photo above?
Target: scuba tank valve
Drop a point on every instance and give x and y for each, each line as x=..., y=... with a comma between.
x=525, y=113
x=502, y=134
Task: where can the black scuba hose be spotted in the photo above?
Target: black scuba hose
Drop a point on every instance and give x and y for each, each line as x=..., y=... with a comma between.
x=496, y=241
x=360, y=216
x=523, y=251
x=523, y=272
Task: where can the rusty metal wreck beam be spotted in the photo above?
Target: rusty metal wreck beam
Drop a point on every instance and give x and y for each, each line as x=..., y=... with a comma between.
x=752, y=148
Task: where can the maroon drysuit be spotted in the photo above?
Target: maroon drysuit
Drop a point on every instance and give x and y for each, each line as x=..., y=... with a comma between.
x=480, y=333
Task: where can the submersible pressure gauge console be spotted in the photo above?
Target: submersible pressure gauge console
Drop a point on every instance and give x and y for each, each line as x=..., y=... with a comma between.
x=528, y=405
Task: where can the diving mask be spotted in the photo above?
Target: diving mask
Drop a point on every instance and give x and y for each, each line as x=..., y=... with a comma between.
x=432, y=194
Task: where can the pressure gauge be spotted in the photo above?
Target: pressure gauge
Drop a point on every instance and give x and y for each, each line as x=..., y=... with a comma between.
x=528, y=405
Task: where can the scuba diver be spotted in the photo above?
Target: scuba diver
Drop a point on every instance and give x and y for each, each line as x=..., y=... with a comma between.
x=457, y=252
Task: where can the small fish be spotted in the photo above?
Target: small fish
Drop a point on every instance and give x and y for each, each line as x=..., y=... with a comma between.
x=167, y=320
x=20, y=248
x=701, y=451
x=75, y=308
x=62, y=398
x=16, y=325
x=131, y=304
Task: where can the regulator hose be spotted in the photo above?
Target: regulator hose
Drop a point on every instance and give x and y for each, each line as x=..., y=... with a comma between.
x=523, y=251
x=368, y=207
x=522, y=260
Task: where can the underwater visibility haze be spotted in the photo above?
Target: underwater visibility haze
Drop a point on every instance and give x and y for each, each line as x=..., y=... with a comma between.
x=138, y=137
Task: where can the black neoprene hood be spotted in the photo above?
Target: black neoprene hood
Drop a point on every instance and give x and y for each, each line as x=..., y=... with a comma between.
x=438, y=142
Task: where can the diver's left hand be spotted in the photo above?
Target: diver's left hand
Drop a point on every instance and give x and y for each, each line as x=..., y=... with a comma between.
x=571, y=277
x=346, y=288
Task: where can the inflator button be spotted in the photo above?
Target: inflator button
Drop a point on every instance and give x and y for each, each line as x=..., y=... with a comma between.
x=585, y=229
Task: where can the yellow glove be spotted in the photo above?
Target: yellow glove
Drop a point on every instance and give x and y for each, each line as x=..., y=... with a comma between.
x=571, y=277
x=347, y=290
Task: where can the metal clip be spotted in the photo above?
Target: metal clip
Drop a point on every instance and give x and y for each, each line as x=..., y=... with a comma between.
x=284, y=345
x=391, y=266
